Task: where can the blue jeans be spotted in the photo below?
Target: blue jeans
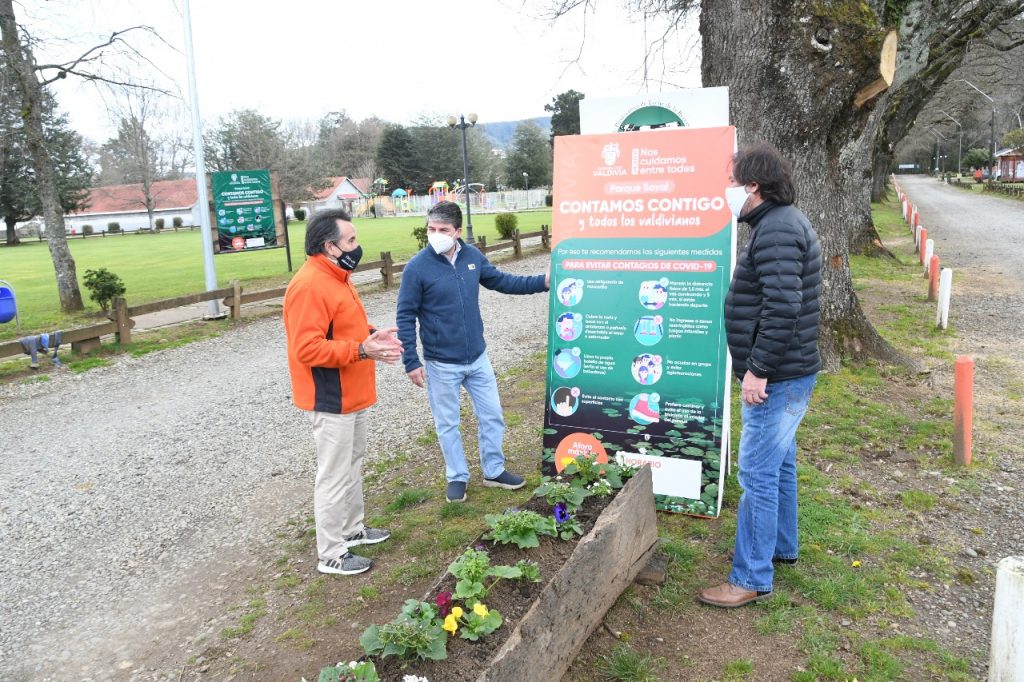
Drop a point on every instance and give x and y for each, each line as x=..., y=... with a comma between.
x=443, y=383
x=766, y=524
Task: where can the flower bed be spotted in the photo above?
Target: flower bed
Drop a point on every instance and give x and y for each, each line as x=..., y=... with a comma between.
x=511, y=627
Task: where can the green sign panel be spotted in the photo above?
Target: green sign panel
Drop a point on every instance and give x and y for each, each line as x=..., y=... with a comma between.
x=243, y=209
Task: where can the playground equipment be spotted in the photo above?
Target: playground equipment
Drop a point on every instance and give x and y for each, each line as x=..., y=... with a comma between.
x=8, y=304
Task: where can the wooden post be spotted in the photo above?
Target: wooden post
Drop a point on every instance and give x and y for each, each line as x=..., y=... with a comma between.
x=236, y=300
x=388, y=271
x=1006, y=659
x=124, y=323
x=545, y=237
x=517, y=244
x=963, y=407
x=933, y=279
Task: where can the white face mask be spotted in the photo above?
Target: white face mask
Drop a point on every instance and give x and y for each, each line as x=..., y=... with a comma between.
x=440, y=242
x=736, y=197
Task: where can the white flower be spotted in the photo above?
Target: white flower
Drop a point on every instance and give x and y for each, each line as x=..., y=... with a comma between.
x=352, y=664
x=414, y=678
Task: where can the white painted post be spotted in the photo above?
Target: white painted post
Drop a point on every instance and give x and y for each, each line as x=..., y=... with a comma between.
x=917, y=238
x=904, y=209
x=1006, y=658
x=945, y=290
x=929, y=249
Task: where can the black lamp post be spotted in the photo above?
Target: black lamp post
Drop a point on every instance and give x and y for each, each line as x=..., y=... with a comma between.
x=960, y=144
x=992, y=131
x=462, y=124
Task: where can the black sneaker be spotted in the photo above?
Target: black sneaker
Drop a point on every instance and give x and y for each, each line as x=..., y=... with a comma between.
x=347, y=564
x=506, y=480
x=367, y=536
x=456, y=491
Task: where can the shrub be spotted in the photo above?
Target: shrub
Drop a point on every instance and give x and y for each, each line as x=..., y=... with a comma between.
x=549, y=200
x=86, y=229
x=103, y=286
x=421, y=235
x=111, y=227
x=176, y=221
x=506, y=224
x=300, y=214
x=159, y=223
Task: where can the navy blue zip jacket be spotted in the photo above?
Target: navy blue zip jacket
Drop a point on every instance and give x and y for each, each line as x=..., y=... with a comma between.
x=445, y=300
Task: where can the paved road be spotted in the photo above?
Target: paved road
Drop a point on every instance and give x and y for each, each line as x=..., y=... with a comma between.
x=129, y=493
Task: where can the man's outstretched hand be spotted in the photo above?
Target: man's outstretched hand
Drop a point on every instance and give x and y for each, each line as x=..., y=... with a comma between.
x=383, y=346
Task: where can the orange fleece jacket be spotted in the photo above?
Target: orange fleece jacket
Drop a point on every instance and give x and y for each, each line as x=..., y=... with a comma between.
x=324, y=323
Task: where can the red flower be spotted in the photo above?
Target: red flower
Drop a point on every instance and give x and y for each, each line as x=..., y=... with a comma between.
x=444, y=603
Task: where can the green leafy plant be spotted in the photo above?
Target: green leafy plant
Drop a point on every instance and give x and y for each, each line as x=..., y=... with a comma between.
x=478, y=622
x=415, y=633
x=111, y=227
x=519, y=528
x=86, y=229
x=300, y=214
x=421, y=235
x=506, y=224
x=353, y=671
x=159, y=223
x=529, y=570
x=562, y=524
x=176, y=221
x=554, y=491
x=472, y=569
x=103, y=286
x=588, y=470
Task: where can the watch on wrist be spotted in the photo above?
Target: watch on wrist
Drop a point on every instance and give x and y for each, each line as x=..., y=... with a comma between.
x=362, y=353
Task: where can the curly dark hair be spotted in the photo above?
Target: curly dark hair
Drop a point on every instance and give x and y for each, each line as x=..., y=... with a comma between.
x=762, y=163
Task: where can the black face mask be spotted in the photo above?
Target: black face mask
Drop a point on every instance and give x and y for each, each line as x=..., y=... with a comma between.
x=348, y=260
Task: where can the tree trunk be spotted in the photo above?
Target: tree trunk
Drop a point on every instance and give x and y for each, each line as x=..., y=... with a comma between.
x=12, y=234
x=792, y=75
x=20, y=59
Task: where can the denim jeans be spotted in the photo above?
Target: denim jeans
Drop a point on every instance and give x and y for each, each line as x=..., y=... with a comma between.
x=766, y=523
x=444, y=381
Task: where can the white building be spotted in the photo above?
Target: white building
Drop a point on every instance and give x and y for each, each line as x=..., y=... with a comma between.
x=126, y=206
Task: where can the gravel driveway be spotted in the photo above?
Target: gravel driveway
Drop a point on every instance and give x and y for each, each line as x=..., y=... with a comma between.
x=982, y=238
x=121, y=487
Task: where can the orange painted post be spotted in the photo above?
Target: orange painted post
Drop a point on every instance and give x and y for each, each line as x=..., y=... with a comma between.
x=917, y=217
x=920, y=245
x=933, y=279
x=963, y=408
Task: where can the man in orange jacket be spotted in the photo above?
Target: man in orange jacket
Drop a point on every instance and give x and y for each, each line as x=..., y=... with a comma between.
x=331, y=354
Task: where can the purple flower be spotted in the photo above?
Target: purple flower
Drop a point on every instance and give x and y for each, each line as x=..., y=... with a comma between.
x=444, y=603
x=480, y=548
x=561, y=513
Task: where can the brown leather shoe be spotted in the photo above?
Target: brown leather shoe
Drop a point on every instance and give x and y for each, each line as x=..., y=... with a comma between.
x=728, y=596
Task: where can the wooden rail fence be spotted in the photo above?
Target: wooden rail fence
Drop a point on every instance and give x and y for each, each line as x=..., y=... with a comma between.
x=121, y=318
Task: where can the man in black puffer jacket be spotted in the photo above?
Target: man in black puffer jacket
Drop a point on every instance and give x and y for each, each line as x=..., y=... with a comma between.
x=771, y=321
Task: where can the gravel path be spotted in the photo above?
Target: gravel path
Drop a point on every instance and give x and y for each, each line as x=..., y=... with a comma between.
x=982, y=238
x=122, y=487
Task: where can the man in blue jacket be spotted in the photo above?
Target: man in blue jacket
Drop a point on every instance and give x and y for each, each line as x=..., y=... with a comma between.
x=440, y=291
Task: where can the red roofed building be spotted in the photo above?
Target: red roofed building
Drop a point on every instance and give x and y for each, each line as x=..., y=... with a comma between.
x=343, y=192
x=126, y=205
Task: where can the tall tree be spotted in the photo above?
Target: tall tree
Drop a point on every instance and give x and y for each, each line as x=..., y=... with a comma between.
x=19, y=198
x=530, y=153
x=565, y=114
x=396, y=157
x=794, y=69
x=30, y=79
x=350, y=148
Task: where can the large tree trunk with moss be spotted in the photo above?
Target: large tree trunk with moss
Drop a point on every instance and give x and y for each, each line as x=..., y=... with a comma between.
x=19, y=58
x=793, y=71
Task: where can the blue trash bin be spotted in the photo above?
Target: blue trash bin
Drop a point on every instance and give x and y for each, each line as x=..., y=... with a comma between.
x=8, y=304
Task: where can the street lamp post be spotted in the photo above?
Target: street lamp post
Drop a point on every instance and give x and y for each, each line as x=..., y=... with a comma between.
x=938, y=147
x=526, y=179
x=960, y=144
x=462, y=124
x=992, y=130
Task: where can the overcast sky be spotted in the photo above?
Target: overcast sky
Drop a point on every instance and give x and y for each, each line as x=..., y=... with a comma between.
x=395, y=59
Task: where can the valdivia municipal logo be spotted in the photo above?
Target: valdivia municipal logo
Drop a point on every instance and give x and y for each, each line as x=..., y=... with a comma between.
x=610, y=153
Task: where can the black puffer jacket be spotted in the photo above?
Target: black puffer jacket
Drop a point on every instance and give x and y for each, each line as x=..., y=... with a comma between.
x=771, y=310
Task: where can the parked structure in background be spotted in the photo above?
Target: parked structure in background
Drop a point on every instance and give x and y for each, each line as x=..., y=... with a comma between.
x=1010, y=165
x=342, y=192
x=126, y=206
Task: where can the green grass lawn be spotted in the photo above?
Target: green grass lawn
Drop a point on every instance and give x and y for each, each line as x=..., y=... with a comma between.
x=156, y=266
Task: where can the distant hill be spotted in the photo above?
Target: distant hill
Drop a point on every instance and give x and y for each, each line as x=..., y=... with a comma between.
x=501, y=133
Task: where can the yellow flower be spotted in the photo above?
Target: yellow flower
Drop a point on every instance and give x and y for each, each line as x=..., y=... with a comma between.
x=457, y=611
x=855, y=564
x=480, y=610
x=566, y=461
x=449, y=623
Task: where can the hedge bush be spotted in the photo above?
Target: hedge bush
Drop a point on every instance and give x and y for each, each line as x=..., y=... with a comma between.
x=506, y=224
x=86, y=229
x=111, y=227
x=300, y=214
x=176, y=221
x=103, y=286
x=159, y=223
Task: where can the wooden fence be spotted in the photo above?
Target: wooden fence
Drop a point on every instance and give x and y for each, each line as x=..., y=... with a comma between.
x=121, y=318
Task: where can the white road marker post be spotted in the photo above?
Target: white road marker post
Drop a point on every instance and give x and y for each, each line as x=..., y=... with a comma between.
x=945, y=291
x=1006, y=657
